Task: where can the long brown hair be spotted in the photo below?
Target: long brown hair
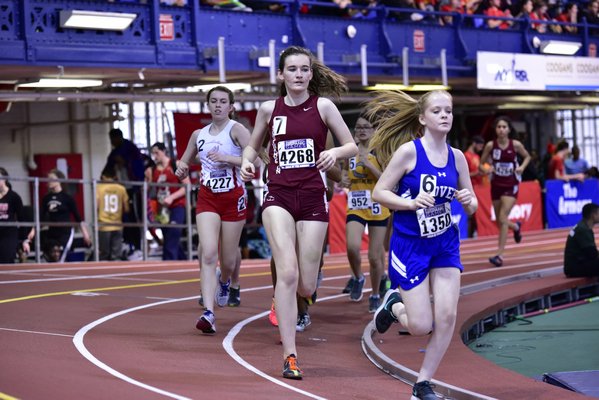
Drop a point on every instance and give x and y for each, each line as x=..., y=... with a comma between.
x=395, y=116
x=324, y=80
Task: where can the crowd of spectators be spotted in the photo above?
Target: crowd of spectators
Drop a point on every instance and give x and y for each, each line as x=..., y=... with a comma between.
x=557, y=16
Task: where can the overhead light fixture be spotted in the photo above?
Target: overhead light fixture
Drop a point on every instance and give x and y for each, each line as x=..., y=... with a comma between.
x=407, y=88
x=560, y=47
x=62, y=83
x=234, y=87
x=85, y=19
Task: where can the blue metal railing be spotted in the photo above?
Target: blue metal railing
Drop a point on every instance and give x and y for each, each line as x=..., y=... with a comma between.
x=30, y=34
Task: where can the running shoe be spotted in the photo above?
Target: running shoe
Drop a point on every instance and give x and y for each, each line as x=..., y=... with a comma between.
x=291, y=369
x=349, y=285
x=303, y=321
x=272, y=315
x=383, y=317
x=424, y=391
x=518, y=233
x=206, y=323
x=356, y=290
x=496, y=261
x=222, y=290
x=234, y=297
x=384, y=285
x=373, y=303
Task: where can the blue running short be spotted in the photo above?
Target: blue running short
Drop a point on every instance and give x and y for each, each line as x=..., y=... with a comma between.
x=412, y=257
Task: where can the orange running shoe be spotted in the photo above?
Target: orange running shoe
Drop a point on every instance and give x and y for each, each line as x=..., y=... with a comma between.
x=272, y=316
x=291, y=369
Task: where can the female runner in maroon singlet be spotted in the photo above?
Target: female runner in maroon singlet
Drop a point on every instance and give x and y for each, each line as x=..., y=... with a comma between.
x=295, y=210
x=505, y=180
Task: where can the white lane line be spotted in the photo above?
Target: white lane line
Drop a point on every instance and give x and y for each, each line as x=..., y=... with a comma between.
x=80, y=335
x=78, y=342
x=230, y=338
x=36, y=332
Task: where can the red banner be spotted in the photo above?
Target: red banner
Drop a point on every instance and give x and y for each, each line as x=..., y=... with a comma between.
x=337, y=213
x=527, y=210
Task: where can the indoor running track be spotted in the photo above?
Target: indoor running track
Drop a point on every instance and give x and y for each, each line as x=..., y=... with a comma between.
x=127, y=330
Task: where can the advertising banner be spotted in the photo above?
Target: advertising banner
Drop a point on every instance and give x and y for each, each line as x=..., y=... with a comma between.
x=564, y=201
x=527, y=210
x=512, y=71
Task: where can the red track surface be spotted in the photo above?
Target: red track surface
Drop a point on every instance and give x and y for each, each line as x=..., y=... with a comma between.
x=127, y=331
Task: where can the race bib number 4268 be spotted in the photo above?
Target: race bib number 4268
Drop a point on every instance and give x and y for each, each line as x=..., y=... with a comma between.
x=298, y=153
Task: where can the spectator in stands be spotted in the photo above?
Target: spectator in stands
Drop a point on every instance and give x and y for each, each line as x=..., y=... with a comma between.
x=451, y=6
x=403, y=16
x=570, y=15
x=539, y=13
x=233, y=5
x=581, y=257
x=591, y=13
x=171, y=202
x=556, y=168
x=574, y=164
x=368, y=12
x=472, y=155
x=592, y=172
x=494, y=10
x=58, y=207
x=296, y=125
x=533, y=169
x=11, y=210
x=113, y=203
x=128, y=163
x=505, y=180
x=523, y=11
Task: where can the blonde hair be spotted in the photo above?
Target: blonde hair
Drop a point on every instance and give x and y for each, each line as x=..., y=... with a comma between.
x=395, y=116
x=324, y=80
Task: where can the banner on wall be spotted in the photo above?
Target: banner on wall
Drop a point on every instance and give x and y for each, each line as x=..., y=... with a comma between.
x=564, y=201
x=515, y=71
x=527, y=209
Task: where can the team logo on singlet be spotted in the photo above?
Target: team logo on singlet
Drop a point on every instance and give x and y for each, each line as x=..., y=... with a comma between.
x=496, y=154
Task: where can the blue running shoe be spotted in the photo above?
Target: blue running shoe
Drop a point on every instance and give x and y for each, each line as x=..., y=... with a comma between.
x=383, y=317
x=356, y=290
x=222, y=290
x=206, y=323
x=424, y=391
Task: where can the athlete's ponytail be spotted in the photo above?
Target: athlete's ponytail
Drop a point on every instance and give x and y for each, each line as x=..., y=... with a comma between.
x=395, y=116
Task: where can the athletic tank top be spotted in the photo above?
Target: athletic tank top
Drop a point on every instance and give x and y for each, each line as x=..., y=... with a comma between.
x=359, y=197
x=218, y=177
x=441, y=182
x=297, y=135
x=167, y=175
x=505, y=164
